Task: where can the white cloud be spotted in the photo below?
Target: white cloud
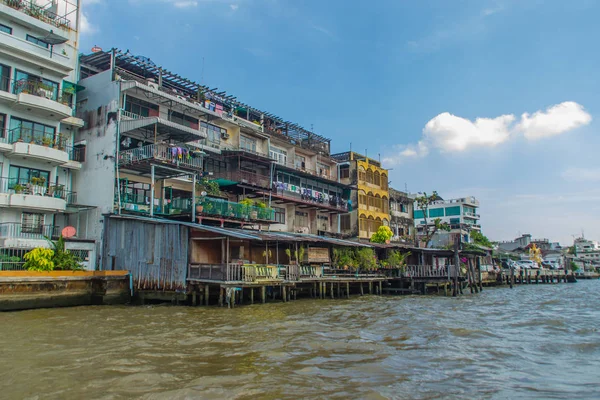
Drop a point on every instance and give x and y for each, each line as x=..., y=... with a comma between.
x=85, y=26
x=450, y=133
x=185, y=4
x=577, y=174
x=491, y=11
x=234, y=7
x=556, y=120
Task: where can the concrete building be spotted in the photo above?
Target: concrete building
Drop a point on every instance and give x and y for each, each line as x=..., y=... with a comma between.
x=519, y=243
x=369, y=201
x=38, y=154
x=155, y=139
x=587, y=249
x=401, y=215
x=461, y=214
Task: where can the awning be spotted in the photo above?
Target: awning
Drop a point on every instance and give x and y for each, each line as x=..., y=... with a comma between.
x=71, y=87
x=171, y=130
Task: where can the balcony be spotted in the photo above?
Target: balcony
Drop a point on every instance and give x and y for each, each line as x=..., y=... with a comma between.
x=35, y=195
x=234, y=211
x=471, y=215
x=43, y=14
x=306, y=200
x=41, y=99
x=44, y=146
x=17, y=235
x=142, y=158
x=227, y=178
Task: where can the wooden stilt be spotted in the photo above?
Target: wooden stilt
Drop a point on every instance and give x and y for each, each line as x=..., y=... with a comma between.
x=339, y=290
x=263, y=293
x=332, y=296
x=206, y=295
x=370, y=287
x=251, y=295
x=283, y=294
x=362, y=293
x=221, y=296
x=347, y=290
x=194, y=297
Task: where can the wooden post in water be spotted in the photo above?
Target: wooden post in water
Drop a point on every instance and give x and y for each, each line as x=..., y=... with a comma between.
x=380, y=287
x=361, y=289
x=347, y=290
x=470, y=276
x=220, y=296
x=283, y=294
x=479, y=275
x=511, y=277
x=251, y=295
x=370, y=287
x=456, y=266
x=339, y=289
x=332, y=291
x=263, y=294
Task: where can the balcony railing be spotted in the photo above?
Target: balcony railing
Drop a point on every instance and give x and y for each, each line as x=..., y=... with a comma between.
x=227, y=209
x=20, y=231
x=244, y=177
x=37, y=188
x=40, y=89
x=332, y=201
x=34, y=136
x=177, y=156
x=320, y=172
x=43, y=14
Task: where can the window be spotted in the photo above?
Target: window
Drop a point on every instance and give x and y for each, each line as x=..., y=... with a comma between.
x=29, y=131
x=344, y=172
x=452, y=211
x=32, y=223
x=377, y=178
x=436, y=213
x=279, y=155
x=141, y=107
x=247, y=143
x=35, y=85
x=300, y=162
x=323, y=222
x=345, y=222
x=324, y=170
x=184, y=120
x=213, y=132
x=6, y=29
x=2, y=127
x=279, y=215
x=301, y=218
x=369, y=176
x=37, y=41
x=418, y=214
x=23, y=175
x=4, y=78
x=362, y=175
x=384, y=182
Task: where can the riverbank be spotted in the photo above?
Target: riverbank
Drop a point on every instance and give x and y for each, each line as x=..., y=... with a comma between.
x=21, y=290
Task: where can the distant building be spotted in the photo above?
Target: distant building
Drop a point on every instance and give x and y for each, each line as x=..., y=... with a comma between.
x=401, y=215
x=587, y=249
x=461, y=214
x=519, y=243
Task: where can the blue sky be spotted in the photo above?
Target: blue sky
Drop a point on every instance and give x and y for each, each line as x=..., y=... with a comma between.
x=496, y=99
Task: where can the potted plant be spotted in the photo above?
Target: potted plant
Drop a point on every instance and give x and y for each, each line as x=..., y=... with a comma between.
x=246, y=204
x=46, y=141
x=208, y=206
x=18, y=188
x=39, y=185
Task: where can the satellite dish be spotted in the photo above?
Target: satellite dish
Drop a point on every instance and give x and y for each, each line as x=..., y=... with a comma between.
x=68, y=232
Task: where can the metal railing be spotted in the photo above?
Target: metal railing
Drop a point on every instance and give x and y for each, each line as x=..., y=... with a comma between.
x=43, y=14
x=337, y=203
x=429, y=271
x=249, y=178
x=76, y=153
x=38, y=188
x=177, y=156
x=40, y=89
x=228, y=209
x=18, y=230
x=34, y=136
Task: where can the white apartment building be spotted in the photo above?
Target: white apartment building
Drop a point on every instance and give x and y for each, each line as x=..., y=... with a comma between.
x=461, y=214
x=38, y=157
x=587, y=249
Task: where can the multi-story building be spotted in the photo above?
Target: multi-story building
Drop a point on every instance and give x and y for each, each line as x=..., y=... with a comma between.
x=153, y=138
x=38, y=155
x=401, y=215
x=461, y=214
x=369, y=203
x=587, y=249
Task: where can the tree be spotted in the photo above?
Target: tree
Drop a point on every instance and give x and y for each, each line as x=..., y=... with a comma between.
x=480, y=239
x=423, y=203
x=383, y=235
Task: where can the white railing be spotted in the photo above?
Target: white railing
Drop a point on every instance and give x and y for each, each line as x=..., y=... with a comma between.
x=429, y=271
x=160, y=152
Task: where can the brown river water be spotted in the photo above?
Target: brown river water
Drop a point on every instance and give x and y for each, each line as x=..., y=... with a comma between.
x=537, y=342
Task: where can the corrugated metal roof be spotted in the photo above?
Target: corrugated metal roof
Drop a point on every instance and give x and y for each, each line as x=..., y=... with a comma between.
x=178, y=132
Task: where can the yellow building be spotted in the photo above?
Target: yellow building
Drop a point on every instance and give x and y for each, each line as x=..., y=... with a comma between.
x=370, y=194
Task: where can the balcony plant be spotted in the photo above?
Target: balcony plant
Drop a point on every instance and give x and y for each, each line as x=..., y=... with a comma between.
x=246, y=208
x=46, y=141
x=38, y=185
x=18, y=188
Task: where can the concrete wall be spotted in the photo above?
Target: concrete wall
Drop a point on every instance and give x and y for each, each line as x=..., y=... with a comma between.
x=94, y=183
